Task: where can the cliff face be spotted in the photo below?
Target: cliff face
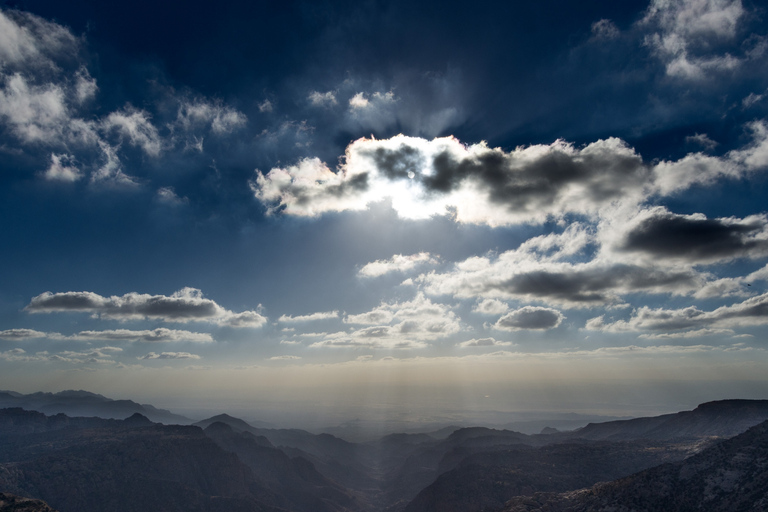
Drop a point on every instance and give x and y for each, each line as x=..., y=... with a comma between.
x=121, y=467
x=13, y=503
x=731, y=476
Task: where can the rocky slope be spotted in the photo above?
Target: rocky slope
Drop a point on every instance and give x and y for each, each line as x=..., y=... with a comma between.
x=730, y=476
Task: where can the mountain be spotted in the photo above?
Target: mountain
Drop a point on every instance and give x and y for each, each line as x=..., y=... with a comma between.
x=92, y=464
x=730, y=476
x=723, y=418
x=301, y=487
x=485, y=480
x=83, y=403
x=13, y=503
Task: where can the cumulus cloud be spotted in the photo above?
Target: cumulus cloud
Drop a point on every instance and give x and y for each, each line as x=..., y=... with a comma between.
x=185, y=305
x=159, y=335
x=169, y=355
x=547, y=269
x=34, y=113
x=530, y=318
x=695, y=238
x=490, y=307
x=419, y=318
x=687, y=33
x=483, y=342
x=22, y=334
x=399, y=325
x=474, y=184
x=324, y=315
x=750, y=312
x=397, y=263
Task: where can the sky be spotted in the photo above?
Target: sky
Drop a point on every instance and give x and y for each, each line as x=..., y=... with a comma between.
x=379, y=209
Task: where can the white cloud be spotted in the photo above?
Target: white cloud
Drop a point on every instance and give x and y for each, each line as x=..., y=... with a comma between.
x=473, y=184
x=358, y=101
x=159, y=335
x=751, y=312
x=199, y=113
x=483, y=342
x=323, y=99
x=61, y=169
x=185, y=305
x=490, y=307
x=28, y=40
x=325, y=315
x=284, y=358
x=34, y=112
x=701, y=139
x=686, y=31
x=135, y=126
x=397, y=263
x=169, y=355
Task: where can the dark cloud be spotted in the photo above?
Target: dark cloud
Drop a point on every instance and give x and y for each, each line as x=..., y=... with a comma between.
x=593, y=284
x=185, y=305
x=696, y=238
x=530, y=318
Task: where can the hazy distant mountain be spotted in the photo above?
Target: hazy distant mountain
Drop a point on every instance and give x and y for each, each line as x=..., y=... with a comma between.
x=92, y=464
x=723, y=418
x=730, y=476
x=13, y=503
x=299, y=485
x=84, y=403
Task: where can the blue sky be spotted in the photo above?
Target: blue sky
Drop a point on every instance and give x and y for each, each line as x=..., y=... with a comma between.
x=498, y=207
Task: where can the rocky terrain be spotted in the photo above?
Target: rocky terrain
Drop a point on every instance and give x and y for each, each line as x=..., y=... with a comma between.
x=729, y=476
x=223, y=463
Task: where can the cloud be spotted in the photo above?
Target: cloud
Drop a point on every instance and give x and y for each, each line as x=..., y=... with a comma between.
x=474, y=184
x=398, y=325
x=397, y=263
x=61, y=169
x=750, y=312
x=491, y=307
x=198, y=113
x=27, y=40
x=22, y=334
x=34, y=113
x=169, y=355
x=284, y=358
x=604, y=30
x=185, y=305
x=323, y=99
x=158, y=335
x=701, y=139
x=547, y=269
x=135, y=126
x=325, y=315
x=483, y=342
x=695, y=238
x=530, y=318
x=687, y=34
x=419, y=318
